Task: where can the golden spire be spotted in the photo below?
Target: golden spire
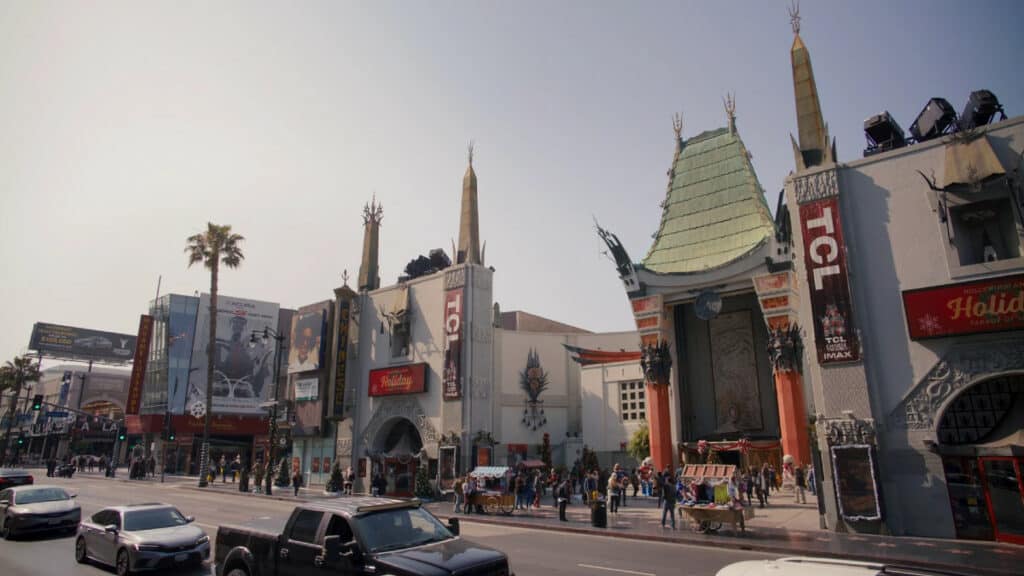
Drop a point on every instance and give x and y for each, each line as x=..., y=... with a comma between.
x=813, y=148
x=469, y=223
x=730, y=111
x=677, y=127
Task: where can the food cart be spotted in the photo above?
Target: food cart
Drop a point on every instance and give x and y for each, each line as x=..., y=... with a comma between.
x=707, y=514
x=492, y=492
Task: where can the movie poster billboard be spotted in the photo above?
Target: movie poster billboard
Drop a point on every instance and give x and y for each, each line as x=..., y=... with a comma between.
x=825, y=260
x=243, y=373
x=307, y=334
x=59, y=341
x=453, y=307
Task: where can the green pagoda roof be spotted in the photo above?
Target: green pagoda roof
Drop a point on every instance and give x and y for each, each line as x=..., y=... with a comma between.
x=714, y=212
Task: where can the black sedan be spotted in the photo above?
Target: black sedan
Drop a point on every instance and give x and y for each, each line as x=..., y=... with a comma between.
x=14, y=477
x=25, y=509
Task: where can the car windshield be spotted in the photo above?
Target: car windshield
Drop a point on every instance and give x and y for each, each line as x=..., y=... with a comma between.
x=400, y=528
x=40, y=495
x=152, y=519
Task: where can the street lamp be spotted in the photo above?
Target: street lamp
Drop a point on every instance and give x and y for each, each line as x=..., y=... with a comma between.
x=264, y=338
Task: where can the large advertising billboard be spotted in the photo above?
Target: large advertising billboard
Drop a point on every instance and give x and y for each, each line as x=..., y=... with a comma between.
x=452, y=387
x=71, y=342
x=181, y=332
x=243, y=373
x=307, y=335
x=989, y=305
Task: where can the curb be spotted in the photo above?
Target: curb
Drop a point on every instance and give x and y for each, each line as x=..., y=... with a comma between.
x=739, y=542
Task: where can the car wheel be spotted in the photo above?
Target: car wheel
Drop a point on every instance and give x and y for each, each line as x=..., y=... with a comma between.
x=5, y=530
x=123, y=563
x=81, y=555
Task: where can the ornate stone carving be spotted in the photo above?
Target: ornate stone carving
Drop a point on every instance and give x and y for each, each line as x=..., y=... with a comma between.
x=455, y=278
x=962, y=366
x=786, y=348
x=844, y=432
x=816, y=186
x=656, y=362
x=407, y=408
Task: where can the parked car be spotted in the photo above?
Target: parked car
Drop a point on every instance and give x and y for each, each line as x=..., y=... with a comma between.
x=37, y=508
x=14, y=477
x=353, y=535
x=806, y=566
x=141, y=537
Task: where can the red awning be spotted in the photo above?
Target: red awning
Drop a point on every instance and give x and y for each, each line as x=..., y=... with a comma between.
x=534, y=463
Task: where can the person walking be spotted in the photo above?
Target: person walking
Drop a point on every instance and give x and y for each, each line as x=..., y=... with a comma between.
x=563, y=499
x=257, y=472
x=801, y=485
x=613, y=494
x=668, y=499
x=243, y=478
x=459, y=496
x=766, y=482
x=297, y=480
x=771, y=478
x=634, y=481
x=235, y=465
x=811, y=484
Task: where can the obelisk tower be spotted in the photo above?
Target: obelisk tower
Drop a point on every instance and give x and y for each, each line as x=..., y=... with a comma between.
x=814, y=148
x=469, y=223
x=369, y=270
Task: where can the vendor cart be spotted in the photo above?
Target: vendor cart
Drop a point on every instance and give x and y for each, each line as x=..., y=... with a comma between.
x=710, y=512
x=710, y=518
x=492, y=494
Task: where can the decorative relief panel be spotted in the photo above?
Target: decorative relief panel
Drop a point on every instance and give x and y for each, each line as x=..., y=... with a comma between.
x=407, y=408
x=734, y=368
x=817, y=186
x=958, y=369
x=455, y=278
x=846, y=432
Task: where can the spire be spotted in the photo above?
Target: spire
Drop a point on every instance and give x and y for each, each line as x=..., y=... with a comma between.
x=369, y=272
x=469, y=223
x=813, y=147
x=730, y=111
x=677, y=127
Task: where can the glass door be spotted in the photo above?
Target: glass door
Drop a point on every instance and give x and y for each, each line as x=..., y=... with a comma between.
x=1004, y=493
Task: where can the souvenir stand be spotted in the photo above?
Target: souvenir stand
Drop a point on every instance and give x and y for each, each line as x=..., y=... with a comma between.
x=713, y=508
x=492, y=492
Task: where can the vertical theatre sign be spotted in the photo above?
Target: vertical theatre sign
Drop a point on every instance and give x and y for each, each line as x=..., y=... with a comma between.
x=825, y=260
x=339, y=379
x=139, y=364
x=453, y=315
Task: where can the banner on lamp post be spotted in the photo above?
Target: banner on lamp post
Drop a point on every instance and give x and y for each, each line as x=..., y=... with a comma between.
x=141, y=357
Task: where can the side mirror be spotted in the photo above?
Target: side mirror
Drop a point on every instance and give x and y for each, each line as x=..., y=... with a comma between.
x=332, y=547
x=190, y=519
x=110, y=529
x=453, y=526
x=73, y=495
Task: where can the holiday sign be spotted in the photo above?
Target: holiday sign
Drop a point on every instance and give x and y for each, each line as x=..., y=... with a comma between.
x=990, y=305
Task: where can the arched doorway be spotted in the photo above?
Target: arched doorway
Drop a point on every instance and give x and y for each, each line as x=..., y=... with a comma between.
x=399, y=447
x=981, y=439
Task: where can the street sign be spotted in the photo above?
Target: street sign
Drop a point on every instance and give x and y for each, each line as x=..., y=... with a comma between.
x=57, y=414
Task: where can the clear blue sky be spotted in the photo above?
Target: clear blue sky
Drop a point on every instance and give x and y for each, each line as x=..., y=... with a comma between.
x=125, y=126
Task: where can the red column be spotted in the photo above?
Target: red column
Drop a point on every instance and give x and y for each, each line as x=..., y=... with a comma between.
x=660, y=422
x=789, y=388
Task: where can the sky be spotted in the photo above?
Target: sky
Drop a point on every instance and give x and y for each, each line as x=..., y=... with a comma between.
x=126, y=126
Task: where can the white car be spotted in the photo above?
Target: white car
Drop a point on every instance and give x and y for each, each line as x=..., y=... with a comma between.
x=805, y=566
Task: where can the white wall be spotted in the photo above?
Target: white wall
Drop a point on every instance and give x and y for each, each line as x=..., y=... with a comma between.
x=603, y=427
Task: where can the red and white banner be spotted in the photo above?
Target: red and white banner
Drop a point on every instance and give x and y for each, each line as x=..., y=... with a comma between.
x=990, y=305
x=453, y=315
x=139, y=362
x=825, y=259
x=408, y=379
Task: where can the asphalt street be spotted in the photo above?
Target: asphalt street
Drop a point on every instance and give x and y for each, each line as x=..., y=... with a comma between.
x=532, y=552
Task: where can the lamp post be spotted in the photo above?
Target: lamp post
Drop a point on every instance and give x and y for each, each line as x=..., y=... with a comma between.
x=264, y=337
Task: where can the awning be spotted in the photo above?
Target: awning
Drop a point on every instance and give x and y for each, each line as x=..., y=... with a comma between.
x=533, y=463
x=489, y=472
x=971, y=163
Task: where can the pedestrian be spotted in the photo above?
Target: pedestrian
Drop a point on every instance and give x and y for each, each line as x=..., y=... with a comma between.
x=811, y=484
x=222, y=465
x=297, y=480
x=257, y=472
x=243, y=478
x=771, y=478
x=235, y=465
x=748, y=485
x=563, y=499
x=620, y=477
x=801, y=485
x=613, y=494
x=634, y=481
x=457, y=488
x=668, y=499
x=151, y=464
x=765, y=477
x=51, y=465
x=656, y=485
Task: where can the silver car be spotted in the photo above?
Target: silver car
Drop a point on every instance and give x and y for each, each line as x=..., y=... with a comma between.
x=37, y=508
x=141, y=537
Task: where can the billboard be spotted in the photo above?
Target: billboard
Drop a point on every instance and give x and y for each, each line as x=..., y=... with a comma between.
x=139, y=365
x=243, y=374
x=307, y=334
x=409, y=379
x=342, y=361
x=990, y=305
x=181, y=332
x=453, y=343
x=307, y=389
x=825, y=259
x=81, y=343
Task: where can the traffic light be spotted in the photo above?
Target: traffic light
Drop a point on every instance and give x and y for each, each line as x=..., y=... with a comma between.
x=170, y=435
x=37, y=402
x=21, y=440
x=120, y=435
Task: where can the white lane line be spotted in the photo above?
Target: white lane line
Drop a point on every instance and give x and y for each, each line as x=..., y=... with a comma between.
x=210, y=526
x=620, y=570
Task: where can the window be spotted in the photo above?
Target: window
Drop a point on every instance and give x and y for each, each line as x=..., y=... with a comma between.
x=106, y=518
x=632, y=402
x=339, y=527
x=305, y=526
x=985, y=231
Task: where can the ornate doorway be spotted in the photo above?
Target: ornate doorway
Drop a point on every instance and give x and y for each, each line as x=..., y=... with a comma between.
x=400, y=448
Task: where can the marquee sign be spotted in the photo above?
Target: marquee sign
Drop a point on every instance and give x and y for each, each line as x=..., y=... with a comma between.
x=990, y=305
x=825, y=260
x=338, y=409
x=408, y=379
x=141, y=356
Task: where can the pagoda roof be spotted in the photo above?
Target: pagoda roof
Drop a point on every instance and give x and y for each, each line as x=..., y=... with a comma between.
x=714, y=212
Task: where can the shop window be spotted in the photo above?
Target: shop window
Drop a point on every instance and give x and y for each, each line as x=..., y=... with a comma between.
x=631, y=404
x=975, y=413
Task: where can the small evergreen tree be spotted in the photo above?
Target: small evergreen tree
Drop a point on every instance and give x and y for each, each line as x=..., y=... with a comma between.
x=423, y=489
x=545, y=451
x=336, y=482
x=283, y=478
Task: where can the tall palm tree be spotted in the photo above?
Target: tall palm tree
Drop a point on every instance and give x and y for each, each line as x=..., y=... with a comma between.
x=15, y=373
x=216, y=246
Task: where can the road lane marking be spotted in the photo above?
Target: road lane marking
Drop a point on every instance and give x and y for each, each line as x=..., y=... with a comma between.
x=620, y=570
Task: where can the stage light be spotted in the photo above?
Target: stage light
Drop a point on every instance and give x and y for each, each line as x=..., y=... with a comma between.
x=981, y=107
x=883, y=133
x=935, y=120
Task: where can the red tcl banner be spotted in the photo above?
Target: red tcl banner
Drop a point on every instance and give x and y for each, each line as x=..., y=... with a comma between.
x=990, y=305
x=139, y=364
x=408, y=379
x=825, y=260
x=453, y=343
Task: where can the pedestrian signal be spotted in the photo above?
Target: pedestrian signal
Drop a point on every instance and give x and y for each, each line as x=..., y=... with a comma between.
x=37, y=402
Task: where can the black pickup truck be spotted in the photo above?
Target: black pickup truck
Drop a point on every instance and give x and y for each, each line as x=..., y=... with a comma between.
x=354, y=535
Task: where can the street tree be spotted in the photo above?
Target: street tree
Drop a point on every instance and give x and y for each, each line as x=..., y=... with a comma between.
x=13, y=375
x=216, y=246
x=639, y=446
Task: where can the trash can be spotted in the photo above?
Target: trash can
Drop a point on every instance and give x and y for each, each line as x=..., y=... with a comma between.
x=599, y=514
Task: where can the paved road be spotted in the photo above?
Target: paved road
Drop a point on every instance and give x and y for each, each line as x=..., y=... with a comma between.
x=533, y=552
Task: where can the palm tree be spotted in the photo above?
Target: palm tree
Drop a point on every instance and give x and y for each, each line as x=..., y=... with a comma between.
x=14, y=374
x=214, y=247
